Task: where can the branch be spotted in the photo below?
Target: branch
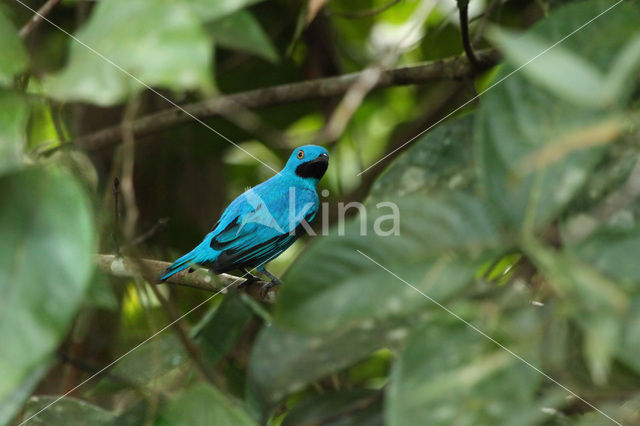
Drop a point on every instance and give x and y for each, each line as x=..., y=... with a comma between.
x=37, y=18
x=463, y=9
x=199, y=278
x=367, y=12
x=456, y=68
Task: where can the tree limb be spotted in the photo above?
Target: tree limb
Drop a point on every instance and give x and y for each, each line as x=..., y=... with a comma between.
x=199, y=278
x=454, y=68
x=37, y=18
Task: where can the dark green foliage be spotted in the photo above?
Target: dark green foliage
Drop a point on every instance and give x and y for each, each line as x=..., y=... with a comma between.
x=510, y=291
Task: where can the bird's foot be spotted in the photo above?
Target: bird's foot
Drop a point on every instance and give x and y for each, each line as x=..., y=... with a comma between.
x=268, y=286
x=249, y=278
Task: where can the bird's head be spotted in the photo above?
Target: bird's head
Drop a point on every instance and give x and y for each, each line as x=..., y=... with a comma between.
x=308, y=162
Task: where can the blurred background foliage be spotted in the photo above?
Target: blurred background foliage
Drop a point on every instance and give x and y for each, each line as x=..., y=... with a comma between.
x=519, y=215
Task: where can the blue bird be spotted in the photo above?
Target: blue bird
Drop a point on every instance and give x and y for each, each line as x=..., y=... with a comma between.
x=262, y=222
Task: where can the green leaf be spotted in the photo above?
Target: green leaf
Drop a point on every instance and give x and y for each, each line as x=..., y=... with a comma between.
x=219, y=329
x=601, y=340
x=203, y=405
x=65, y=411
x=209, y=10
x=629, y=349
x=613, y=251
x=284, y=362
x=45, y=266
x=595, y=302
x=440, y=243
x=576, y=281
x=146, y=364
x=441, y=159
x=351, y=407
x=241, y=31
x=161, y=43
x=13, y=57
x=14, y=114
x=623, y=71
x=558, y=69
x=622, y=411
x=450, y=374
x=12, y=403
x=534, y=151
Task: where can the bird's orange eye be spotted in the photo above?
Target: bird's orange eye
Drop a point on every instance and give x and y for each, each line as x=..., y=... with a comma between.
x=300, y=155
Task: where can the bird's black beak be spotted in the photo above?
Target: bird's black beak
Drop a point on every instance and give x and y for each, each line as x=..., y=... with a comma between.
x=314, y=168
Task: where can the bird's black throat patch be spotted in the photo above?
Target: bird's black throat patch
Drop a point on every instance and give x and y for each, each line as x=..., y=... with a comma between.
x=314, y=168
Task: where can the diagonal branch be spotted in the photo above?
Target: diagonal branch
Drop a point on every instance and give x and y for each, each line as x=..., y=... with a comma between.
x=199, y=278
x=37, y=18
x=455, y=68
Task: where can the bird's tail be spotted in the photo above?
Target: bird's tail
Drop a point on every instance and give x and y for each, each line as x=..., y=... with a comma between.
x=186, y=261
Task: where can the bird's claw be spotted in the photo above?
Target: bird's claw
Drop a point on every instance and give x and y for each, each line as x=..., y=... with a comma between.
x=251, y=279
x=268, y=286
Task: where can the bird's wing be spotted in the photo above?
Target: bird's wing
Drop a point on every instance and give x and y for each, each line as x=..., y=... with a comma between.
x=259, y=224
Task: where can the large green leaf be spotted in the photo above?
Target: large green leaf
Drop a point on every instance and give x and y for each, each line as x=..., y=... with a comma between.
x=284, y=362
x=613, y=251
x=66, y=412
x=13, y=57
x=450, y=374
x=161, y=43
x=629, y=348
x=558, y=69
x=146, y=365
x=11, y=403
x=534, y=150
x=219, y=329
x=203, y=405
x=350, y=407
x=441, y=159
x=619, y=82
x=241, y=31
x=45, y=266
x=335, y=283
x=568, y=75
x=210, y=10
x=596, y=303
x=14, y=114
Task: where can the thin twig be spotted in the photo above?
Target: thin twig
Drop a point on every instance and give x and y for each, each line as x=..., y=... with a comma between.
x=485, y=20
x=365, y=13
x=368, y=80
x=189, y=345
x=463, y=9
x=116, y=214
x=161, y=223
x=455, y=68
x=84, y=366
x=128, y=164
x=37, y=18
x=313, y=7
